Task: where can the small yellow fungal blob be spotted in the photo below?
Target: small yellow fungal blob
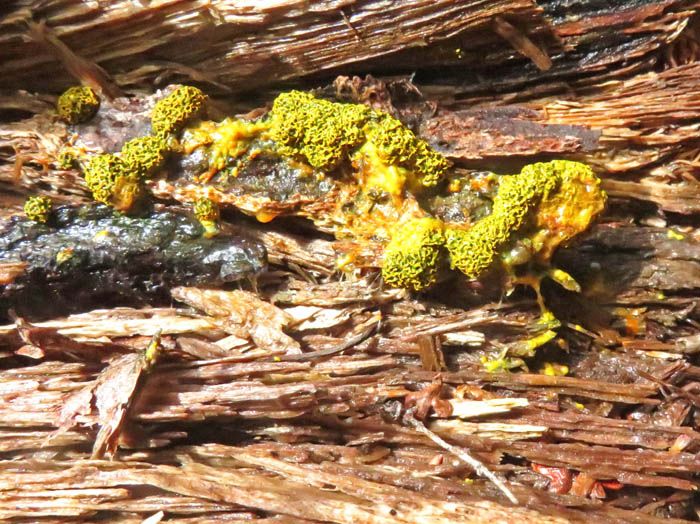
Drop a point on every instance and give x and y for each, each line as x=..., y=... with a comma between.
x=673, y=235
x=541, y=339
x=455, y=185
x=345, y=261
x=553, y=369
x=38, y=208
x=64, y=255
x=144, y=155
x=172, y=112
x=501, y=363
x=207, y=212
x=565, y=280
x=77, y=104
x=102, y=235
x=152, y=352
x=111, y=182
x=265, y=216
x=411, y=260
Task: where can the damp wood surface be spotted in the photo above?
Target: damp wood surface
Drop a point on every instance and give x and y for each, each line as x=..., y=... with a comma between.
x=282, y=399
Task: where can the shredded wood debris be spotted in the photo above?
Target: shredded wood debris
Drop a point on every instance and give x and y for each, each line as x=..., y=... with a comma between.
x=312, y=393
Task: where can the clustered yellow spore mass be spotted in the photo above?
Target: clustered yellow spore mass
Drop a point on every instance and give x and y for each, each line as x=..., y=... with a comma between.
x=117, y=179
x=546, y=204
x=322, y=132
x=37, y=208
x=144, y=155
x=326, y=133
x=78, y=104
x=207, y=212
x=472, y=251
x=171, y=113
x=411, y=260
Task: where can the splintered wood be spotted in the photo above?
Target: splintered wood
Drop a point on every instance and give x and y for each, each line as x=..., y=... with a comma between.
x=316, y=394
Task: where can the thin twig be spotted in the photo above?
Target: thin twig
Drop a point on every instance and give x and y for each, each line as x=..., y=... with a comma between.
x=353, y=341
x=479, y=467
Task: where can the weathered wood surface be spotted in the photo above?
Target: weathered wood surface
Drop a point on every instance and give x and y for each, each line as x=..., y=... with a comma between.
x=231, y=425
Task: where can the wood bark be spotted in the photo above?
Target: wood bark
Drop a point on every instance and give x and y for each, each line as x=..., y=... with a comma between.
x=232, y=422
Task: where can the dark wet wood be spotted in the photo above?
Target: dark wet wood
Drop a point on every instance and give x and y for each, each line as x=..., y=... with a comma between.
x=282, y=402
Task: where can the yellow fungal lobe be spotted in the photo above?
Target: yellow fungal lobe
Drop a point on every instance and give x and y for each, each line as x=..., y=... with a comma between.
x=411, y=260
x=568, y=211
x=207, y=212
x=111, y=182
x=326, y=133
x=502, y=363
x=323, y=132
x=552, y=369
x=673, y=235
x=172, y=112
x=265, y=216
x=540, y=340
x=37, y=208
x=117, y=179
x=64, y=255
x=77, y=104
x=144, y=155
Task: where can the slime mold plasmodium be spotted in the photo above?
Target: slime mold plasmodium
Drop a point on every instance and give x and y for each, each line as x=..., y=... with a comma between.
x=545, y=205
x=38, y=208
x=171, y=113
x=117, y=179
x=326, y=133
x=412, y=258
x=378, y=169
x=77, y=104
x=207, y=212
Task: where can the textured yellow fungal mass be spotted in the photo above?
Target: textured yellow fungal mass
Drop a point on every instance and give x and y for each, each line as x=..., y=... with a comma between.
x=207, y=212
x=117, y=180
x=472, y=251
x=111, y=182
x=144, y=155
x=397, y=145
x=411, y=260
x=172, y=112
x=325, y=133
x=37, y=208
x=558, y=199
x=77, y=104
x=570, y=209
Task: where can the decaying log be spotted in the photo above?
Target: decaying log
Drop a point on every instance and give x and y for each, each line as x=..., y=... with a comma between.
x=315, y=394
